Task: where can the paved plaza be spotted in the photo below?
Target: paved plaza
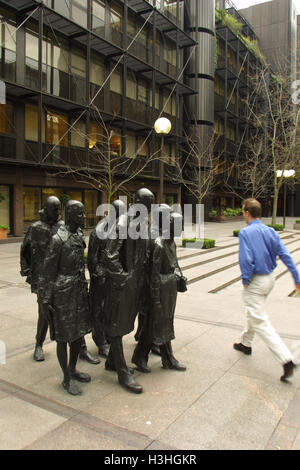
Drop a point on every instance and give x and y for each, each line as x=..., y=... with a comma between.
x=224, y=400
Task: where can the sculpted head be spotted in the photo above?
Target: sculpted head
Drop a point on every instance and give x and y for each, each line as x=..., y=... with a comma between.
x=146, y=197
x=51, y=210
x=119, y=207
x=75, y=214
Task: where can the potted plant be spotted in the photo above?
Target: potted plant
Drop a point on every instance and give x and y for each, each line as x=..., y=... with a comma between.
x=297, y=225
x=3, y=231
x=3, y=227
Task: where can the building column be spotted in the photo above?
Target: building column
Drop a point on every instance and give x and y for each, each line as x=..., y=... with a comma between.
x=18, y=218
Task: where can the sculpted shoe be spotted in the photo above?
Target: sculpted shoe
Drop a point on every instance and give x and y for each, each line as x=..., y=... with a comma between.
x=87, y=356
x=71, y=387
x=38, y=354
x=103, y=351
x=80, y=376
x=174, y=365
x=141, y=365
x=288, y=370
x=128, y=382
x=244, y=349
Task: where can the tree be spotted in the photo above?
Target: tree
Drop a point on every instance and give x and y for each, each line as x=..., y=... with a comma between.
x=272, y=142
x=201, y=165
x=108, y=168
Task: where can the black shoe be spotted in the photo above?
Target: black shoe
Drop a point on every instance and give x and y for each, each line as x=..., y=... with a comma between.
x=288, y=370
x=244, y=349
x=155, y=350
x=141, y=365
x=174, y=365
x=80, y=376
x=71, y=387
x=103, y=351
x=38, y=354
x=87, y=356
x=128, y=382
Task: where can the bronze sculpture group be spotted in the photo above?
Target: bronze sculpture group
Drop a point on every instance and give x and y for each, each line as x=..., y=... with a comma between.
x=132, y=268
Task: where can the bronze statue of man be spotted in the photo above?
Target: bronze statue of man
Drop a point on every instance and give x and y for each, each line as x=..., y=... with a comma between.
x=98, y=277
x=126, y=260
x=64, y=292
x=159, y=327
x=33, y=252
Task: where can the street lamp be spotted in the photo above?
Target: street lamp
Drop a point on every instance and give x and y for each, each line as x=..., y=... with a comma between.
x=286, y=174
x=162, y=126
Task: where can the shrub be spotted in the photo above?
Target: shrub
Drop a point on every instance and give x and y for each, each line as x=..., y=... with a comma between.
x=4, y=226
x=297, y=221
x=277, y=227
x=228, y=212
x=206, y=242
x=236, y=233
x=213, y=213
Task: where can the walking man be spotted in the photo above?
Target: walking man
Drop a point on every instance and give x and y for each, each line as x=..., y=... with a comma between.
x=258, y=247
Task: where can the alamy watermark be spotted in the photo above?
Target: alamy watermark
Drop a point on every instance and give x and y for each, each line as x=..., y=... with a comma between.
x=139, y=222
x=296, y=94
x=2, y=352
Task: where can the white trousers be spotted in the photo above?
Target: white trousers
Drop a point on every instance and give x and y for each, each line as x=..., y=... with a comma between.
x=257, y=320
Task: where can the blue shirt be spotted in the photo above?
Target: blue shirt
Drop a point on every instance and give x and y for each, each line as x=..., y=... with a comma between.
x=259, y=246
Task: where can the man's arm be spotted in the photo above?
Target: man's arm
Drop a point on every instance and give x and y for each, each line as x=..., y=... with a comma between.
x=25, y=254
x=286, y=258
x=246, y=259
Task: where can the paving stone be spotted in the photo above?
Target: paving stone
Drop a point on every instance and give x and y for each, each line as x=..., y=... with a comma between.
x=22, y=423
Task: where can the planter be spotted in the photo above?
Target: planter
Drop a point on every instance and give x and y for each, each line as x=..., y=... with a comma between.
x=3, y=233
x=296, y=226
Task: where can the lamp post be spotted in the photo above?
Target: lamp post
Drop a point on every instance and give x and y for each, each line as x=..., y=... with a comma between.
x=286, y=174
x=162, y=126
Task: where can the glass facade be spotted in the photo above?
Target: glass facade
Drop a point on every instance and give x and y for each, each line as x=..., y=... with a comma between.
x=5, y=205
x=34, y=198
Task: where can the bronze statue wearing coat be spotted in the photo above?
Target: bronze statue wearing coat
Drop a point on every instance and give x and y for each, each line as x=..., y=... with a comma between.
x=126, y=260
x=32, y=255
x=65, y=291
x=98, y=276
x=159, y=328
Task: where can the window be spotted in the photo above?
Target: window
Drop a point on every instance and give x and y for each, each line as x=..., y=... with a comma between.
x=116, y=17
x=6, y=118
x=31, y=123
x=32, y=205
x=143, y=147
x=96, y=135
x=79, y=12
x=90, y=204
x=47, y=192
x=98, y=16
x=115, y=143
x=97, y=70
x=78, y=63
x=131, y=85
x=116, y=81
x=167, y=102
x=7, y=31
x=219, y=126
x=130, y=145
x=57, y=129
x=219, y=86
x=4, y=206
x=142, y=91
x=230, y=133
x=78, y=134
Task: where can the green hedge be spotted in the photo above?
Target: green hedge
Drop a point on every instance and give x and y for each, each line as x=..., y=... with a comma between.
x=206, y=242
x=228, y=212
x=236, y=233
x=297, y=221
x=4, y=226
x=277, y=227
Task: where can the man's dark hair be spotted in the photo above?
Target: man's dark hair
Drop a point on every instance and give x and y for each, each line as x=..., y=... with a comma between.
x=253, y=206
